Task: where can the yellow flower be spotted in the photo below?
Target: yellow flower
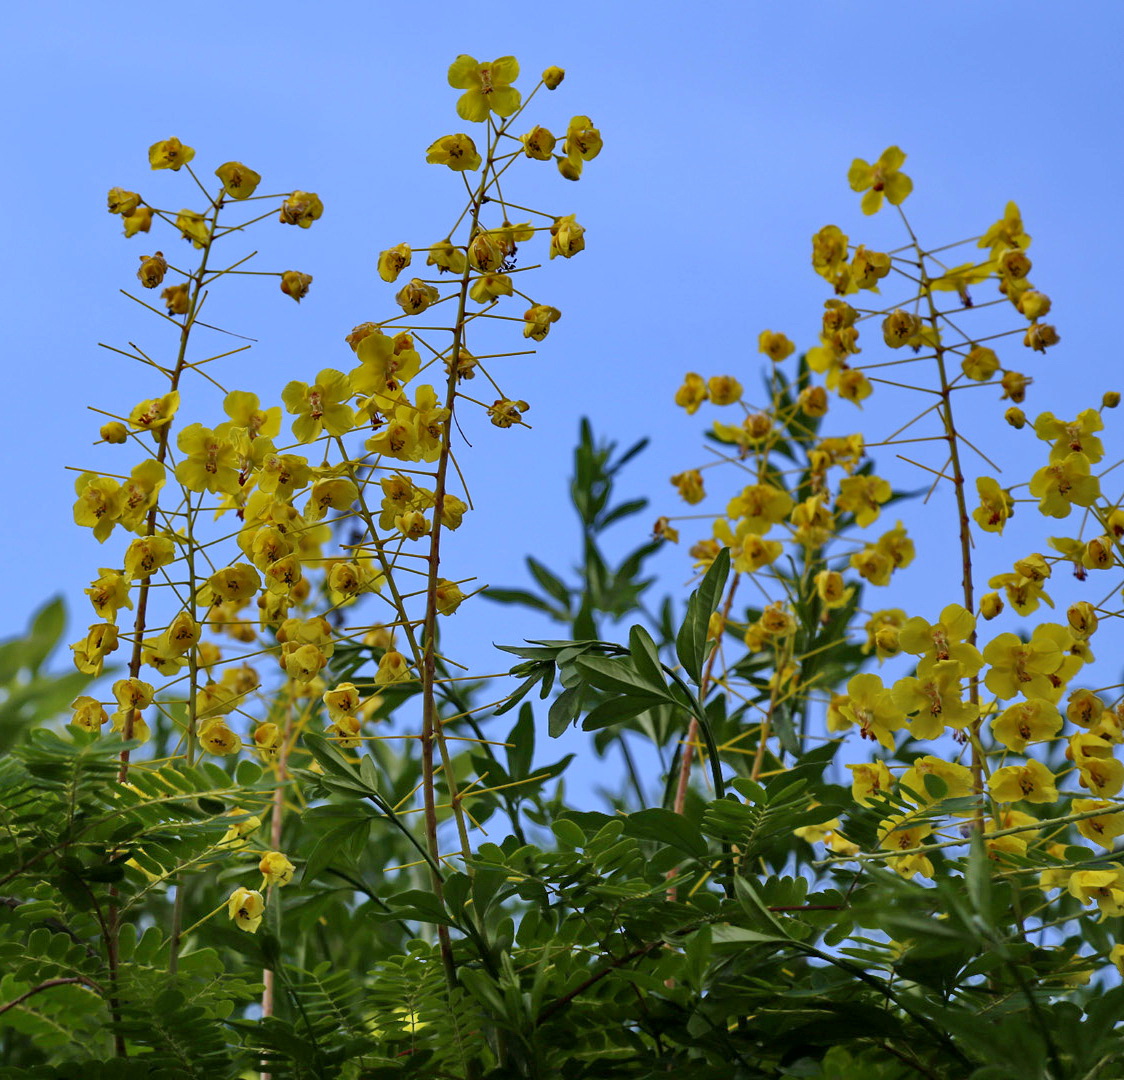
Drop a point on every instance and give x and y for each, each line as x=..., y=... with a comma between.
x=775, y=346
x=449, y=596
x=89, y=715
x=393, y=668
x=177, y=298
x=108, y=594
x=246, y=907
x=193, y=226
x=829, y=256
x=567, y=237
x=152, y=269
x=692, y=393
x=487, y=87
x=138, y=221
x=210, y=463
x=457, y=151
x=446, y=257
x=1018, y=667
x=505, y=413
x=301, y=208
x=863, y=496
x=489, y=287
x=902, y=832
x=238, y=181
x=871, y=707
x=957, y=779
x=881, y=178
x=321, y=406
x=538, y=143
x=393, y=261
x=868, y=267
x=1075, y=436
x=268, y=738
x=869, y=779
x=1106, y=887
x=295, y=284
x=122, y=202
x=724, y=389
x=147, y=554
x=169, y=154
x=1031, y=782
x=1007, y=232
x=1063, y=484
x=415, y=296
x=538, y=319
x=946, y=639
x=760, y=506
x=934, y=695
x=90, y=653
x=996, y=505
x=276, y=869
x=583, y=143
x=155, y=412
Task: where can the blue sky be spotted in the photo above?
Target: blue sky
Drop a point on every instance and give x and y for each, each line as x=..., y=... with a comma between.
x=728, y=132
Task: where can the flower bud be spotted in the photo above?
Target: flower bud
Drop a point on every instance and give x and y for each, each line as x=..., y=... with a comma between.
x=113, y=432
x=1110, y=399
x=552, y=77
x=1015, y=417
x=991, y=604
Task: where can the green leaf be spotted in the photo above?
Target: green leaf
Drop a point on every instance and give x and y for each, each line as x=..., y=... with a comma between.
x=690, y=643
x=646, y=657
x=564, y=710
x=616, y=710
x=521, y=744
x=619, y=674
x=552, y=584
x=666, y=827
x=419, y=905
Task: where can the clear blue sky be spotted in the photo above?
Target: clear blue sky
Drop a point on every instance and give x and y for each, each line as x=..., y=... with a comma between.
x=728, y=131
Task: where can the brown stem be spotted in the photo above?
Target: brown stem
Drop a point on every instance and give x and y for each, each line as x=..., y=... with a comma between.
x=687, y=755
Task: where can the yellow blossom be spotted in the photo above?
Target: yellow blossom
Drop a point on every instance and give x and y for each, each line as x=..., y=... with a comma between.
x=883, y=178
x=276, y=869
x=238, y=181
x=246, y=907
x=457, y=151
x=487, y=87
x=1031, y=782
x=169, y=154
x=301, y=208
